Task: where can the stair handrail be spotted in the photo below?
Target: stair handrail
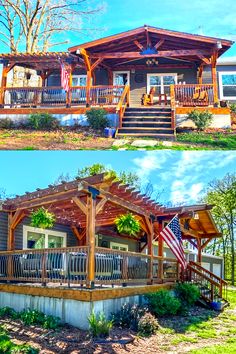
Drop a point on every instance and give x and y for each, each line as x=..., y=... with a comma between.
x=123, y=103
x=212, y=275
x=219, y=283
x=172, y=105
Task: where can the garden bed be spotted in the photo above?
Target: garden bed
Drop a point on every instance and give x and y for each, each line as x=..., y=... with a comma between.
x=190, y=333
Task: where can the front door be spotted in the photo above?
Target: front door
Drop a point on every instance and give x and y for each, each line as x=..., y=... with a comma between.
x=121, y=78
x=161, y=83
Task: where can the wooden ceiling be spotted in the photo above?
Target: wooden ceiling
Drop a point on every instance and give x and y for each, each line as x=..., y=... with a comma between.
x=167, y=43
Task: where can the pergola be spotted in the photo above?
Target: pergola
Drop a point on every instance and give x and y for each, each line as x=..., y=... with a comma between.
x=93, y=203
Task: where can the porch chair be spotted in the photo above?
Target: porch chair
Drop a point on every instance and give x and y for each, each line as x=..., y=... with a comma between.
x=200, y=96
x=147, y=99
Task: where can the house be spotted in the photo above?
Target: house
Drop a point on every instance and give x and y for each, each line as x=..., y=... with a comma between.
x=115, y=72
x=83, y=262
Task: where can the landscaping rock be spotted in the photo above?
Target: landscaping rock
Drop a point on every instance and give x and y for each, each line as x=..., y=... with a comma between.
x=121, y=142
x=143, y=143
x=167, y=143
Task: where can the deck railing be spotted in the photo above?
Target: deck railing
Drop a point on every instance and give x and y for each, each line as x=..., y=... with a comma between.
x=196, y=95
x=70, y=266
x=53, y=96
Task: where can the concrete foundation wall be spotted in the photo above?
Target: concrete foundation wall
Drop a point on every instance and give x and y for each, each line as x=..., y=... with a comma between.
x=219, y=121
x=73, y=312
x=65, y=119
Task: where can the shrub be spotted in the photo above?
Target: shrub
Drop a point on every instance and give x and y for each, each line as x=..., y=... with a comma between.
x=147, y=325
x=34, y=317
x=129, y=316
x=7, y=346
x=6, y=123
x=187, y=293
x=97, y=118
x=163, y=303
x=42, y=121
x=202, y=120
x=233, y=107
x=8, y=312
x=99, y=326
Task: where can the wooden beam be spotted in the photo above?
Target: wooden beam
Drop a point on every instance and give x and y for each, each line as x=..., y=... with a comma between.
x=91, y=222
x=117, y=200
x=139, y=45
x=200, y=73
x=214, y=76
x=13, y=220
x=81, y=205
x=206, y=60
x=100, y=205
x=159, y=44
x=77, y=233
x=199, y=254
x=96, y=63
x=167, y=53
x=205, y=243
x=160, y=252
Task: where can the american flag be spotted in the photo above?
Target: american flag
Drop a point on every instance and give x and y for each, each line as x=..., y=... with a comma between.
x=64, y=78
x=171, y=234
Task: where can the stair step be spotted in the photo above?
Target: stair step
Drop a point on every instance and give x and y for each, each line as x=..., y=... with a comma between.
x=148, y=114
x=148, y=109
x=146, y=125
x=147, y=119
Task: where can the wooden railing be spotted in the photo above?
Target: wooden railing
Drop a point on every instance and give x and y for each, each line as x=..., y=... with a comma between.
x=172, y=105
x=123, y=103
x=70, y=266
x=196, y=95
x=53, y=96
x=212, y=287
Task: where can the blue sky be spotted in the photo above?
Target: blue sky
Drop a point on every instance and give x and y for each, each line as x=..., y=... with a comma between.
x=182, y=175
x=213, y=18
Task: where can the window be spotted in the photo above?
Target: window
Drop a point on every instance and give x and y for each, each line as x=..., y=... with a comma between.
x=227, y=82
x=118, y=246
x=161, y=83
x=34, y=238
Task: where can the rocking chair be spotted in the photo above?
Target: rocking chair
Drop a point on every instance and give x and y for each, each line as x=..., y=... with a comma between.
x=147, y=99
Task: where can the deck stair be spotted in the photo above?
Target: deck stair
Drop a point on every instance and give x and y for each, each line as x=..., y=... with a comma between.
x=147, y=122
x=212, y=288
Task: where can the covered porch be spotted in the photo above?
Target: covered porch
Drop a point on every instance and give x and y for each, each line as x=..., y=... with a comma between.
x=100, y=255
x=117, y=71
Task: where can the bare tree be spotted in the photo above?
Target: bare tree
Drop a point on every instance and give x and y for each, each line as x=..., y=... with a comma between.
x=37, y=24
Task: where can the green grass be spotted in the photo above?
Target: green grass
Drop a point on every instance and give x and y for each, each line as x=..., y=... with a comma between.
x=183, y=339
x=225, y=348
x=213, y=140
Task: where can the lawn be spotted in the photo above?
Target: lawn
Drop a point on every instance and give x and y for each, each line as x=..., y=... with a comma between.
x=86, y=139
x=201, y=331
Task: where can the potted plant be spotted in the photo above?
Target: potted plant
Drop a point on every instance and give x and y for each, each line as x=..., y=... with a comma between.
x=127, y=224
x=42, y=218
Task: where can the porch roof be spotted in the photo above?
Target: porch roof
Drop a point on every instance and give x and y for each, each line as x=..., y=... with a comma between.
x=68, y=201
x=149, y=41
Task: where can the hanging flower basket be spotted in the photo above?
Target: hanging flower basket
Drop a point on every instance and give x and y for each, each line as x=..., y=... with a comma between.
x=127, y=224
x=43, y=219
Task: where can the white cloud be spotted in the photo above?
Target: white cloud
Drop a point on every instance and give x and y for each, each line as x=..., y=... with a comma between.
x=182, y=195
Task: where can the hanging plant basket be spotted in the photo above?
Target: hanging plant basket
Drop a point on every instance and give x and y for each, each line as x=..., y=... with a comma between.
x=127, y=224
x=43, y=219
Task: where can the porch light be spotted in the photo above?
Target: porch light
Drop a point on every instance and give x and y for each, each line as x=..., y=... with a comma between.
x=152, y=62
x=196, y=216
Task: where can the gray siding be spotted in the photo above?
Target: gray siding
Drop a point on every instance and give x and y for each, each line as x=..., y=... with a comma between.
x=106, y=240
x=71, y=239
x=3, y=230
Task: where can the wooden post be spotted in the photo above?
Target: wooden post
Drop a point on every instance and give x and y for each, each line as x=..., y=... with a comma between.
x=91, y=222
x=199, y=249
x=160, y=253
x=5, y=70
x=214, y=77
x=200, y=72
x=150, y=253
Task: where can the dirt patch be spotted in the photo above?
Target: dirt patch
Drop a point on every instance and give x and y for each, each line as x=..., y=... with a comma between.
x=174, y=336
x=58, y=140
